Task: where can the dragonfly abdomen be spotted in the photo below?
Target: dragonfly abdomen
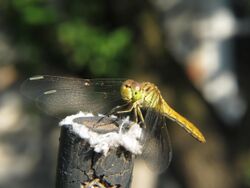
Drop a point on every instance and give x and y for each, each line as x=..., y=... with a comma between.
x=182, y=121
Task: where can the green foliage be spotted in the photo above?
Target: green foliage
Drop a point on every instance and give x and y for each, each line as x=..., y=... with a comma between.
x=36, y=15
x=35, y=12
x=74, y=32
x=93, y=46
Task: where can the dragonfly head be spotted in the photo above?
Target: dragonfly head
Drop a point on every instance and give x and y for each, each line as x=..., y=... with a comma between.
x=131, y=91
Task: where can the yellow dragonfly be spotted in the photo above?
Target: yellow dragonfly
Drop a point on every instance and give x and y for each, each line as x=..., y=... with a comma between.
x=147, y=95
x=62, y=95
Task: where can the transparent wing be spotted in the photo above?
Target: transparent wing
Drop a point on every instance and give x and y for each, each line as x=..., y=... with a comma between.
x=61, y=95
x=157, y=151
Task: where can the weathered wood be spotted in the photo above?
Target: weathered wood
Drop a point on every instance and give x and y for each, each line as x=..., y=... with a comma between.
x=79, y=166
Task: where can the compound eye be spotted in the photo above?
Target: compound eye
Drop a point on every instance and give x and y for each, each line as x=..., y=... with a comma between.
x=127, y=86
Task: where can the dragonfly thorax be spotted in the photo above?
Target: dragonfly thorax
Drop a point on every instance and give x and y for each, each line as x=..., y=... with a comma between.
x=145, y=94
x=152, y=96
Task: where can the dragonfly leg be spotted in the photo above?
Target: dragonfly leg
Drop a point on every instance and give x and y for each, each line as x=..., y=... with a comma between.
x=130, y=108
x=141, y=116
x=116, y=109
x=112, y=111
x=136, y=115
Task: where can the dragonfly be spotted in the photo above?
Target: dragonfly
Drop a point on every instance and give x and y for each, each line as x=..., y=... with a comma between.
x=63, y=95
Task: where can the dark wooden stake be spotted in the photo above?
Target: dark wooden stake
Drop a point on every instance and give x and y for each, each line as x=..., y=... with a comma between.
x=80, y=167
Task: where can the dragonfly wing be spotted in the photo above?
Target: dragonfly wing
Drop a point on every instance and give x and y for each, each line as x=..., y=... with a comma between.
x=157, y=150
x=61, y=95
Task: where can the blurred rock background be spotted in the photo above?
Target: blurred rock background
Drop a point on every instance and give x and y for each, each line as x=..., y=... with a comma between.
x=197, y=52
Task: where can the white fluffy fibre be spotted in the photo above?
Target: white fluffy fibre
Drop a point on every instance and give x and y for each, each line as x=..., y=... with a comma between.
x=103, y=142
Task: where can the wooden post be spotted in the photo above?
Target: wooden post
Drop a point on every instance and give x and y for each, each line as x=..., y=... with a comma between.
x=81, y=167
